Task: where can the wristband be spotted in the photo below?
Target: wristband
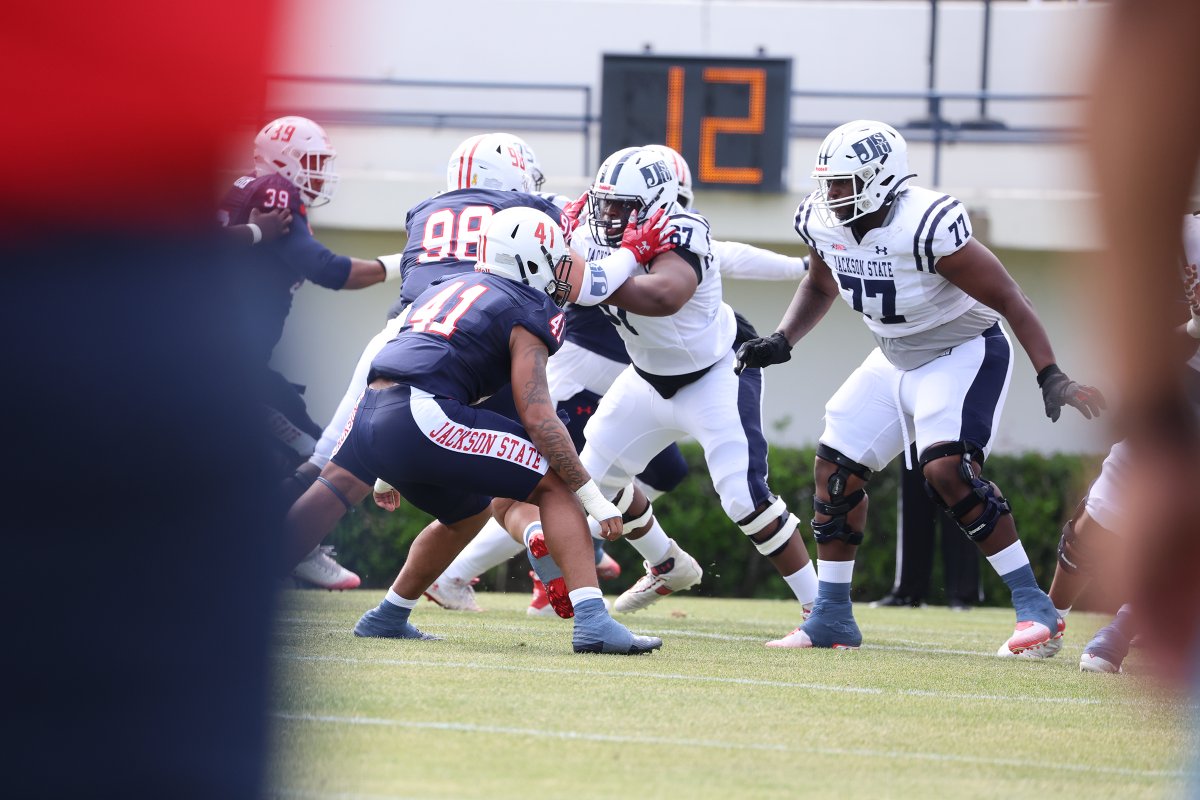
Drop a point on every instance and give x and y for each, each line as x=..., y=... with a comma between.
x=391, y=266
x=255, y=233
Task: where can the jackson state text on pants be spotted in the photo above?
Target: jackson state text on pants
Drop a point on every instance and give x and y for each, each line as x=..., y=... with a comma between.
x=496, y=445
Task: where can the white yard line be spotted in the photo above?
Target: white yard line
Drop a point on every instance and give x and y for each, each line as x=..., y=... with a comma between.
x=807, y=748
x=818, y=687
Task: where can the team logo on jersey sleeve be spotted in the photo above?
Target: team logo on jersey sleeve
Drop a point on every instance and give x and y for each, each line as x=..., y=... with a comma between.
x=874, y=146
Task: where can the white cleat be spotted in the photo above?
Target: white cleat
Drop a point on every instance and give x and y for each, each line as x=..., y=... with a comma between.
x=797, y=638
x=1092, y=663
x=320, y=569
x=453, y=594
x=676, y=572
x=1033, y=640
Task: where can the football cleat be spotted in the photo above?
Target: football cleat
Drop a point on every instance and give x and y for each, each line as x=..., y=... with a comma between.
x=607, y=568
x=382, y=623
x=1033, y=640
x=1108, y=648
x=597, y=632
x=832, y=627
x=676, y=572
x=539, y=605
x=453, y=594
x=321, y=570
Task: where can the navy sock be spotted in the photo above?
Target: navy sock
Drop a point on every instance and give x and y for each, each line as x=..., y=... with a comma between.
x=598, y=546
x=833, y=592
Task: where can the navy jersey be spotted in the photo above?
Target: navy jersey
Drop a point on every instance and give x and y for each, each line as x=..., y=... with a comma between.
x=455, y=341
x=443, y=235
x=594, y=329
x=283, y=265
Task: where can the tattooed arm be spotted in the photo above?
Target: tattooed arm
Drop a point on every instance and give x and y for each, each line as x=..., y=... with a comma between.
x=537, y=410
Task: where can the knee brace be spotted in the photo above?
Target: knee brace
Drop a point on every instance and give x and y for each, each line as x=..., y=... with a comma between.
x=624, y=501
x=756, y=522
x=983, y=492
x=840, y=504
x=1068, y=544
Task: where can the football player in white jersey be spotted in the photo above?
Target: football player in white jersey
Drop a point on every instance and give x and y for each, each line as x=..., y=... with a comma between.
x=1087, y=543
x=933, y=296
x=680, y=337
x=587, y=362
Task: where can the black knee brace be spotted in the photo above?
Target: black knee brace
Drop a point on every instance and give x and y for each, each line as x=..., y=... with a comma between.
x=983, y=492
x=840, y=504
x=1069, y=541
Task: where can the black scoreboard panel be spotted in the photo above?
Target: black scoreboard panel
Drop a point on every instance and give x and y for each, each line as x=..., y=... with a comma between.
x=727, y=116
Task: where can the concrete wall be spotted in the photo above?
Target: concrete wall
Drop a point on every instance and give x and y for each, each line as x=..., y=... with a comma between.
x=1030, y=202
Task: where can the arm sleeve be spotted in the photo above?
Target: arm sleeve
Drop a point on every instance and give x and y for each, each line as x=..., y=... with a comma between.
x=753, y=263
x=320, y=265
x=604, y=276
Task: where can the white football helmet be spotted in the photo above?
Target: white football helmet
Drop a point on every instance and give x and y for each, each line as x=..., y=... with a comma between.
x=298, y=149
x=634, y=179
x=870, y=154
x=531, y=163
x=682, y=172
x=489, y=161
x=527, y=246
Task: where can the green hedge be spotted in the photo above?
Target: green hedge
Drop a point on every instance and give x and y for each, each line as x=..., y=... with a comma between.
x=1043, y=491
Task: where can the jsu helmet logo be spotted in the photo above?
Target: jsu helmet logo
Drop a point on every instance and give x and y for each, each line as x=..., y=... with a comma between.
x=656, y=174
x=874, y=146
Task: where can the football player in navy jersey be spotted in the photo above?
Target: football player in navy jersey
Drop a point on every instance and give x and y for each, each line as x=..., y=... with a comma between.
x=591, y=358
x=933, y=296
x=417, y=429
x=293, y=171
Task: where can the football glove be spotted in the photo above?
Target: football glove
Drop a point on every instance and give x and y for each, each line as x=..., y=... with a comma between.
x=1058, y=390
x=650, y=239
x=762, y=352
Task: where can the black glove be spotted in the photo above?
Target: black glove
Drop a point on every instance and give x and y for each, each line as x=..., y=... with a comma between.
x=1058, y=390
x=763, y=352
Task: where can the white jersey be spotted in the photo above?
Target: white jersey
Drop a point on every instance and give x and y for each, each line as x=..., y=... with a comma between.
x=891, y=277
x=696, y=336
x=1191, y=252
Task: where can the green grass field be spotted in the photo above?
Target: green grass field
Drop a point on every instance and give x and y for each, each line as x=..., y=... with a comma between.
x=503, y=709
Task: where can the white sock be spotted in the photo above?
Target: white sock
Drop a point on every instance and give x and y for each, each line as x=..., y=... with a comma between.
x=397, y=600
x=1062, y=612
x=585, y=593
x=1008, y=559
x=835, y=571
x=594, y=528
x=654, y=545
x=803, y=583
x=490, y=548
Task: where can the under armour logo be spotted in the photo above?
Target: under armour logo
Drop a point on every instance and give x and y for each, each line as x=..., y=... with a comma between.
x=880, y=251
